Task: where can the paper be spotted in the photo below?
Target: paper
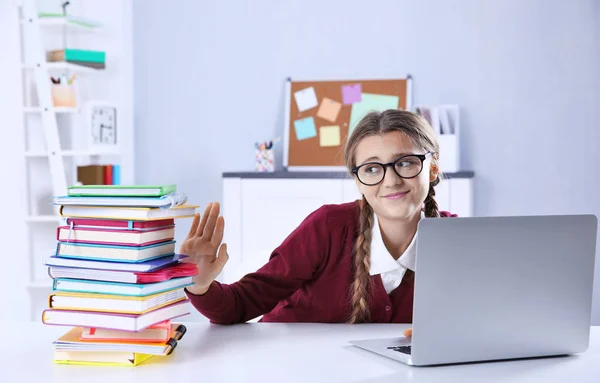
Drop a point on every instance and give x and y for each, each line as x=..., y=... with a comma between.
x=329, y=109
x=370, y=103
x=306, y=99
x=329, y=136
x=351, y=93
x=305, y=128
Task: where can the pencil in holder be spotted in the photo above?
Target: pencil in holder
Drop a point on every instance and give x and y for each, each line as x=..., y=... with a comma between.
x=264, y=160
x=63, y=95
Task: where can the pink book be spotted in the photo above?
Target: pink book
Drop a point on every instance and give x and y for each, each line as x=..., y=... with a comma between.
x=116, y=236
x=119, y=224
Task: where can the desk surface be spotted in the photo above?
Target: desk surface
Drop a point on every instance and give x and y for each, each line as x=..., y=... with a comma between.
x=265, y=352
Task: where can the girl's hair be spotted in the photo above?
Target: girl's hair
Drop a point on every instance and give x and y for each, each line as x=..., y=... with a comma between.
x=418, y=130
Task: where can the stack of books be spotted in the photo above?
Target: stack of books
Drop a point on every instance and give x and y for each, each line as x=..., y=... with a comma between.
x=117, y=280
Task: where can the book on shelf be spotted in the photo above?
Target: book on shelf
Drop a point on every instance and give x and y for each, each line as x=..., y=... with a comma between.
x=74, y=55
x=107, y=174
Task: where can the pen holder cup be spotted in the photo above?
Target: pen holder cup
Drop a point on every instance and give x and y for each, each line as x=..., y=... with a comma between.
x=63, y=96
x=265, y=161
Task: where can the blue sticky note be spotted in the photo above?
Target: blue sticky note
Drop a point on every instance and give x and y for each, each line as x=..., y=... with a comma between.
x=305, y=128
x=370, y=103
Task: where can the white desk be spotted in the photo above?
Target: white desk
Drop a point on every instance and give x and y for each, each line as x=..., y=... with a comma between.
x=261, y=352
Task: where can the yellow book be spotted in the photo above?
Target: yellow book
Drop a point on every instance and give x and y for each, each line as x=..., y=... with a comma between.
x=100, y=358
x=130, y=213
x=113, y=303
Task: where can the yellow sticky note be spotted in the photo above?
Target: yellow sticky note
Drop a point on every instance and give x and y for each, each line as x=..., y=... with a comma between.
x=329, y=135
x=329, y=109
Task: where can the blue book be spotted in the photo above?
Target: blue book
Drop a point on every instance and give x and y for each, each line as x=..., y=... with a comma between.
x=139, y=267
x=114, y=253
x=116, y=174
x=118, y=288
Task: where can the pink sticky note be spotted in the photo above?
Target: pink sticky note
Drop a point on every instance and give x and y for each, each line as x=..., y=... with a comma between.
x=351, y=93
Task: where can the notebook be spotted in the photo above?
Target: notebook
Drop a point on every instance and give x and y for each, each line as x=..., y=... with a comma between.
x=121, y=190
x=113, y=303
x=70, y=342
x=125, y=322
x=113, y=252
x=118, y=288
x=146, y=266
x=132, y=237
x=175, y=271
x=158, y=333
x=128, y=213
x=166, y=201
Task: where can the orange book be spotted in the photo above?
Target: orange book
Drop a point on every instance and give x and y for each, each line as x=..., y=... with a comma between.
x=158, y=333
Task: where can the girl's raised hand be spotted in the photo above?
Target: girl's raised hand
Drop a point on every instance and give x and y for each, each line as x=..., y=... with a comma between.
x=204, y=249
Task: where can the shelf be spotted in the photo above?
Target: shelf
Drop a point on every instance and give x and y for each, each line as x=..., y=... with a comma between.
x=73, y=22
x=65, y=66
x=58, y=109
x=72, y=153
x=44, y=218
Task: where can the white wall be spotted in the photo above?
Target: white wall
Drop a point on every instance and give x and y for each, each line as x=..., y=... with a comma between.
x=209, y=81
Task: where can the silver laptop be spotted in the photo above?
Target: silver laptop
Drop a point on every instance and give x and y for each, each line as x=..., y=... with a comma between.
x=494, y=288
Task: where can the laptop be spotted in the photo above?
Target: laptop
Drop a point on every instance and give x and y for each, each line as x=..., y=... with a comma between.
x=498, y=288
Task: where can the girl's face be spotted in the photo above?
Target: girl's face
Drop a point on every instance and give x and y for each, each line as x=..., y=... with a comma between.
x=394, y=197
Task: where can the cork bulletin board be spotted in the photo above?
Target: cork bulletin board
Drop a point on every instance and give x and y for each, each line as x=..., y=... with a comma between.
x=321, y=114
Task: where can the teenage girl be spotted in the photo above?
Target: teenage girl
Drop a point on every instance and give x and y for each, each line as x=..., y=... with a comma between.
x=346, y=263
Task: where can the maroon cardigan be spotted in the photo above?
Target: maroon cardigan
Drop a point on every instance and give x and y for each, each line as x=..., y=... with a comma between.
x=307, y=279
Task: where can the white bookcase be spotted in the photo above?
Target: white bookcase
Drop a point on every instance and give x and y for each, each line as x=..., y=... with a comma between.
x=56, y=139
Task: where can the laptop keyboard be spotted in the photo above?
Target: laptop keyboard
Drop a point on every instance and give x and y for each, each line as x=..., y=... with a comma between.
x=402, y=349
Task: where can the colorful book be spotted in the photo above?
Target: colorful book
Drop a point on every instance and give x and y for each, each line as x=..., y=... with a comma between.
x=114, y=253
x=165, y=202
x=146, y=266
x=124, y=322
x=121, y=190
x=128, y=213
x=70, y=342
x=119, y=224
x=115, y=237
x=119, y=288
x=113, y=303
x=175, y=271
x=158, y=333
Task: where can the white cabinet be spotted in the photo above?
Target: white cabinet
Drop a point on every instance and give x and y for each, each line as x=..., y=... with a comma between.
x=260, y=211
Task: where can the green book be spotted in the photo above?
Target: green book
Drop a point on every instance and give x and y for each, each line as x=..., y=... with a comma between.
x=76, y=55
x=121, y=190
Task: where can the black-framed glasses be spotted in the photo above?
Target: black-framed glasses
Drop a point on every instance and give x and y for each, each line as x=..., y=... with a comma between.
x=409, y=166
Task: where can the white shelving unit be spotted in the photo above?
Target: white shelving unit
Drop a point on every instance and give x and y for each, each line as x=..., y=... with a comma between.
x=56, y=137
